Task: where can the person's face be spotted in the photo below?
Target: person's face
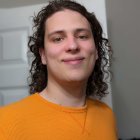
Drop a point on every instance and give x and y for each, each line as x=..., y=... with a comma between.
x=69, y=48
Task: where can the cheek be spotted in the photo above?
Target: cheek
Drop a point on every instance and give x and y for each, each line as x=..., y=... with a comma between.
x=94, y=52
x=53, y=52
x=92, y=55
x=91, y=50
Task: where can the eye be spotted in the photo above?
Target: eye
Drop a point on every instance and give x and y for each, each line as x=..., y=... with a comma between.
x=57, y=39
x=83, y=37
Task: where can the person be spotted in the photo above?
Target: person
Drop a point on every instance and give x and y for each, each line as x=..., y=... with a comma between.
x=70, y=65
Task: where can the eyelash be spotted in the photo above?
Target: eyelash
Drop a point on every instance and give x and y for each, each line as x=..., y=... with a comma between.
x=57, y=39
x=83, y=37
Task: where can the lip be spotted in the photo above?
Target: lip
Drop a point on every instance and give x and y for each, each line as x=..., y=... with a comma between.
x=73, y=60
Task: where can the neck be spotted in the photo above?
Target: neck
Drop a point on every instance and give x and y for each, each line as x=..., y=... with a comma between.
x=66, y=94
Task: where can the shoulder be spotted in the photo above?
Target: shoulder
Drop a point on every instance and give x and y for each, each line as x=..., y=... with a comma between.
x=102, y=112
x=97, y=103
x=13, y=116
x=17, y=108
x=103, y=117
x=100, y=108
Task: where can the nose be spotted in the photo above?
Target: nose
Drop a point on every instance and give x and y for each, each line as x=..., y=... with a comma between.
x=72, y=45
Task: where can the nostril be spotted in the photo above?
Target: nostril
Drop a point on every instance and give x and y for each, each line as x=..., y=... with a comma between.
x=73, y=50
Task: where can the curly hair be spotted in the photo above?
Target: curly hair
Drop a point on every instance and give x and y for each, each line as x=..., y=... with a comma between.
x=96, y=84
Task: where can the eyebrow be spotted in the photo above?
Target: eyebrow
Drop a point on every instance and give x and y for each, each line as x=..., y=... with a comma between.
x=56, y=32
x=82, y=29
x=62, y=31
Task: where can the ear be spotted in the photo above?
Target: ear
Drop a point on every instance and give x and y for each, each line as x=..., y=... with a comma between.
x=43, y=56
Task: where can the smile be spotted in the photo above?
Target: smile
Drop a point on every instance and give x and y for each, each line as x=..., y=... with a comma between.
x=73, y=61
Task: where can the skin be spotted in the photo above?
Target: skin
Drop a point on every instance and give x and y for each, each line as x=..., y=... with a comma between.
x=70, y=55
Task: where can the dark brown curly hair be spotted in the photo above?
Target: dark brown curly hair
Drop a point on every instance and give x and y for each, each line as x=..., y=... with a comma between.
x=97, y=84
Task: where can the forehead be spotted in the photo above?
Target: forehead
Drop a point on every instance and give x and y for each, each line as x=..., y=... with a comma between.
x=66, y=20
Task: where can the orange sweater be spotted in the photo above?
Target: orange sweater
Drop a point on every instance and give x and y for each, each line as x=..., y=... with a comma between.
x=34, y=118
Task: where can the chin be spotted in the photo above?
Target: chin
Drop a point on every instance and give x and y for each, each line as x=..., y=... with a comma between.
x=77, y=78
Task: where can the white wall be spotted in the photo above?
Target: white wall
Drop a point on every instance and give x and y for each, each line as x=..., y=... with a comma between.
x=124, y=33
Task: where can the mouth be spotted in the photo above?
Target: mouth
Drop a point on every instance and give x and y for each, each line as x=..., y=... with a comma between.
x=73, y=60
